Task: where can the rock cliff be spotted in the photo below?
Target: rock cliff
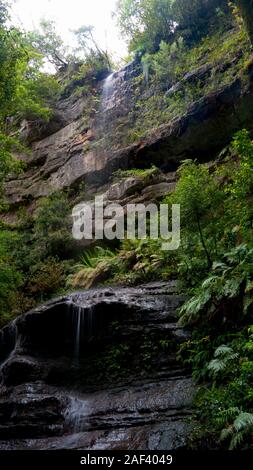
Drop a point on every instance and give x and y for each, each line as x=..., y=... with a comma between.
x=79, y=144
x=96, y=370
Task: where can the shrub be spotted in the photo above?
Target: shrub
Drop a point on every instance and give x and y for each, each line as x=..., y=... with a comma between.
x=52, y=228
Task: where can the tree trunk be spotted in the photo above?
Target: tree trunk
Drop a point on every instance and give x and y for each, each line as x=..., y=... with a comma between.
x=246, y=11
x=208, y=257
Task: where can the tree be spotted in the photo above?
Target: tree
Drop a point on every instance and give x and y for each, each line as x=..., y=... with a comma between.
x=3, y=12
x=88, y=44
x=52, y=234
x=246, y=11
x=199, y=196
x=195, y=17
x=145, y=22
x=10, y=278
x=148, y=22
x=48, y=43
x=13, y=62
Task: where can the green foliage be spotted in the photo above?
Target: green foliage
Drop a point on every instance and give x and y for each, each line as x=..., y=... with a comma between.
x=7, y=163
x=10, y=278
x=245, y=10
x=88, y=46
x=163, y=63
x=226, y=294
x=173, y=79
x=214, y=225
x=199, y=196
x=81, y=79
x=33, y=256
x=225, y=406
x=91, y=258
x=115, y=360
x=197, y=18
x=148, y=22
x=46, y=278
x=36, y=96
x=24, y=90
x=95, y=67
x=49, y=44
x=13, y=62
x=224, y=358
x=220, y=298
x=52, y=228
x=145, y=23
x=136, y=172
x=96, y=264
x=240, y=431
x=242, y=183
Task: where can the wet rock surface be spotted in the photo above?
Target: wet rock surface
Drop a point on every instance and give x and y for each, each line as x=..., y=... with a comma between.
x=64, y=155
x=96, y=370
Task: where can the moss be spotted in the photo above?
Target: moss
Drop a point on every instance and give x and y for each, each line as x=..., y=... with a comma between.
x=136, y=172
x=229, y=56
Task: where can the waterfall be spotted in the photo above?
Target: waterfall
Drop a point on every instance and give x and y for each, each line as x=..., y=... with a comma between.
x=78, y=319
x=108, y=92
x=107, y=105
x=83, y=328
x=15, y=341
x=76, y=414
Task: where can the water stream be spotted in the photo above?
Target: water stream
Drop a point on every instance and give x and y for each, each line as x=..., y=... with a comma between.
x=83, y=329
x=15, y=341
x=76, y=414
x=108, y=93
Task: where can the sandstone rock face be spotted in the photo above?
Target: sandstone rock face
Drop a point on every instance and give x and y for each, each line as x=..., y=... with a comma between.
x=61, y=387
x=77, y=146
x=124, y=193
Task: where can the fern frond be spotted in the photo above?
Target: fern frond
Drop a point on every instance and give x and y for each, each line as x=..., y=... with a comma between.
x=217, y=365
x=243, y=421
x=226, y=433
x=236, y=441
x=223, y=351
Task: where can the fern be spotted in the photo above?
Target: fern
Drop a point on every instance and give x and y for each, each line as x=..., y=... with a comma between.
x=243, y=421
x=91, y=258
x=225, y=416
x=224, y=357
x=224, y=283
x=240, y=430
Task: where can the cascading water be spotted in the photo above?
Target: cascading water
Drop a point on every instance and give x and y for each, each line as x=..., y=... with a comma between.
x=15, y=342
x=116, y=103
x=83, y=328
x=106, y=108
x=76, y=414
x=108, y=92
x=78, y=323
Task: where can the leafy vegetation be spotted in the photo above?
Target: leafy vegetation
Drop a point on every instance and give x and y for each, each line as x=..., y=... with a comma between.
x=148, y=22
x=220, y=295
x=214, y=265
x=35, y=256
x=245, y=10
x=138, y=173
x=36, y=252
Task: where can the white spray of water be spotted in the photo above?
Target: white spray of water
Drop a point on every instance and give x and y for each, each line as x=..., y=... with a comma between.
x=83, y=326
x=108, y=92
x=16, y=346
x=77, y=414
